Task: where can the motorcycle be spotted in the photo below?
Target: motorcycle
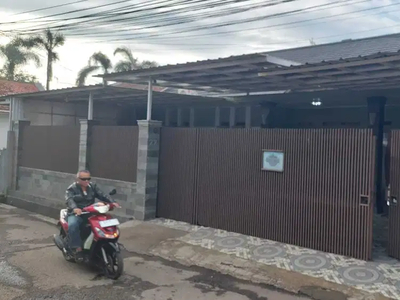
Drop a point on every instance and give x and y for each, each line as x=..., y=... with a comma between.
x=100, y=239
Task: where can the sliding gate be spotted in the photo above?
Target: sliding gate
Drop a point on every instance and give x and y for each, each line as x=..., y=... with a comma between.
x=394, y=196
x=321, y=199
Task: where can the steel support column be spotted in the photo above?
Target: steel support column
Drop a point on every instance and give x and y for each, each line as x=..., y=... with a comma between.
x=149, y=99
x=90, y=107
x=217, y=117
x=376, y=111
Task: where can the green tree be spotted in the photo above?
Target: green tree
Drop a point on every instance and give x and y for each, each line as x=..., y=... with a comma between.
x=15, y=57
x=98, y=61
x=48, y=42
x=129, y=62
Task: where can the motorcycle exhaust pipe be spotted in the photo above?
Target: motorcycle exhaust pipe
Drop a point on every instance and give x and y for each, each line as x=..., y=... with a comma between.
x=59, y=242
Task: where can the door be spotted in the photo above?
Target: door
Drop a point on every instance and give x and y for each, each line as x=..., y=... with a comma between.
x=393, y=196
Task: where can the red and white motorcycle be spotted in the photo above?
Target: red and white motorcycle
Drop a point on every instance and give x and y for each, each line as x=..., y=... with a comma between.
x=100, y=239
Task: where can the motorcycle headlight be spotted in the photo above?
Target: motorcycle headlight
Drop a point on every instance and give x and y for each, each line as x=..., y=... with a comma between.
x=100, y=232
x=106, y=235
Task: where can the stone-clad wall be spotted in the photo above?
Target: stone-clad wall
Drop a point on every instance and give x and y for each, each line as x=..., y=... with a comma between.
x=50, y=186
x=147, y=169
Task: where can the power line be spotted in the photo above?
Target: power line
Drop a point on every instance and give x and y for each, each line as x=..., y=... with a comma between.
x=203, y=17
x=272, y=26
x=138, y=8
x=108, y=15
x=246, y=21
x=47, y=8
x=164, y=41
x=147, y=13
x=108, y=11
x=136, y=37
x=165, y=36
x=191, y=19
x=65, y=13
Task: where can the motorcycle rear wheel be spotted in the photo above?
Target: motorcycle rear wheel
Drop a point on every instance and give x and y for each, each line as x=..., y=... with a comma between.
x=115, y=267
x=68, y=257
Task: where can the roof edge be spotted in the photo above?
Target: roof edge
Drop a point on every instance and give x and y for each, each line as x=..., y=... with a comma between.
x=344, y=41
x=55, y=92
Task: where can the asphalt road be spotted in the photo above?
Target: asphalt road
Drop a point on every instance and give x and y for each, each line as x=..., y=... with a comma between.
x=32, y=268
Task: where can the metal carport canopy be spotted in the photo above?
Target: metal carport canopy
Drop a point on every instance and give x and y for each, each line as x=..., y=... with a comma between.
x=261, y=73
x=117, y=93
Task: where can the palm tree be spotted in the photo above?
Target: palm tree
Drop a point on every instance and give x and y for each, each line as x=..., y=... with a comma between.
x=15, y=57
x=129, y=62
x=101, y=61
x=48, y=42
x=96, y=62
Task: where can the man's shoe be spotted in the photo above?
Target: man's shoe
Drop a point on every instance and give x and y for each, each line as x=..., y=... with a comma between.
x=79, y=256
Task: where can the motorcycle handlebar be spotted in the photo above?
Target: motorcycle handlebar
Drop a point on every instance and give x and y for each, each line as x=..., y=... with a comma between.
x=86, y=212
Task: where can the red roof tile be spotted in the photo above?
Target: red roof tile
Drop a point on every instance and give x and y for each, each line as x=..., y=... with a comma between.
x=13, y=87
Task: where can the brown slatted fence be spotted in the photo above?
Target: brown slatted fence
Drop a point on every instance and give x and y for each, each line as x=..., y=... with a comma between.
x=177, y=174
x=113, y=152
x=54, y=148
x=394, y=210
x=316, y=202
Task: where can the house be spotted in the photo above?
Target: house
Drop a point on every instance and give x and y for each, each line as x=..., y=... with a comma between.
x=312, y=178
x=67, y=106
x=12, y=88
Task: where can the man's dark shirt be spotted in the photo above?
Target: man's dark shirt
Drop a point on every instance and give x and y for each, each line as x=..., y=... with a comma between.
x=76, y=198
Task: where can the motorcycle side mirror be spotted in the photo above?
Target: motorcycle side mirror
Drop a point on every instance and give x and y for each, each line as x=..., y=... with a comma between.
x=113, y=192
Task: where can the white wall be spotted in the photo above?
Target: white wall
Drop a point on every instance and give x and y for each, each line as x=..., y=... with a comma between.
x=4, y=123
x=41, y=113
x=47, y=113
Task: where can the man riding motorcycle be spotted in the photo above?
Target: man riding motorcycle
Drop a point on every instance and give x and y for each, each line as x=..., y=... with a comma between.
x=80, y=194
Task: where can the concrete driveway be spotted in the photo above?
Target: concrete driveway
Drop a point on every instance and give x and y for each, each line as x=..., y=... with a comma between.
x=31, y=267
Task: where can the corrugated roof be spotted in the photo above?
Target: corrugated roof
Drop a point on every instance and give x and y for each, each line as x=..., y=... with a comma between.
x=12, y=87
x=219, y=62
x=119, y=93
x=376, y=71
x=341, y=50
x=57, y=91
x=303, y=55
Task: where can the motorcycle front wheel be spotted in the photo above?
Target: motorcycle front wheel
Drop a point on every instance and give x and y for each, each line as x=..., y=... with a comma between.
x=114, y=268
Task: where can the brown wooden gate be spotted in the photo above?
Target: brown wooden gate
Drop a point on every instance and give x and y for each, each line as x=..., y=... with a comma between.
x=177, y=174
x=394, y=208
x=322, y=200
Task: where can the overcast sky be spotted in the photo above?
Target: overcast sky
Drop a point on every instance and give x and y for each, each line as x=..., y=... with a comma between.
x=165, y=46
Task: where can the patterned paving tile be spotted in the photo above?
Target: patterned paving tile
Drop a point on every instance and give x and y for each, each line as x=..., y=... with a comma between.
x=379, y=276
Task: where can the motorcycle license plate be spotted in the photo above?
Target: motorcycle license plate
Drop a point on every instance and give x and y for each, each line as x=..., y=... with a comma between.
x=109, y=223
